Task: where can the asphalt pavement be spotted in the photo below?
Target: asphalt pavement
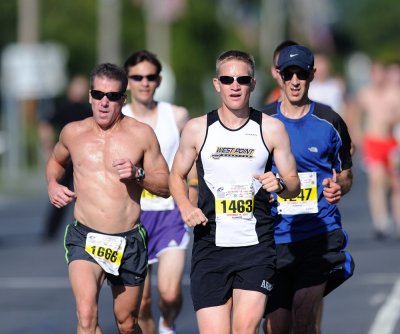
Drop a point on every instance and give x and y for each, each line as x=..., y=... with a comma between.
x=35, y=296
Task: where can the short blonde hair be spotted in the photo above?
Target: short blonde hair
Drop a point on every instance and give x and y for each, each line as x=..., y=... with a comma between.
x=235, y=55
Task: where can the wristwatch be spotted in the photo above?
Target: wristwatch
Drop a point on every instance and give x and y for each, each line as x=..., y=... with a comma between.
x=139, y=174
x=283, y=185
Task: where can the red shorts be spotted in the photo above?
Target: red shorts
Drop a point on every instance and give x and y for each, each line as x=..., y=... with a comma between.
x=376, y=150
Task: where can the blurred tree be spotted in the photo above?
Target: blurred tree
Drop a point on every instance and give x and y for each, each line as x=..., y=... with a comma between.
x=370, y=26
x=133, y=28
x=197, y=39
x=73, y=24
x=8, y=17
x=200, y=35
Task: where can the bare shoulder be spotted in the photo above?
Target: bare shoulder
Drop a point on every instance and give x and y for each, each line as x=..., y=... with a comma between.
x=77, y=128
x=273, y=131
x=179, y=111
x=133, y=126
x=365, y=94
x=272, y=124
x=195, y=130
x=197, y=124
x=181, y=115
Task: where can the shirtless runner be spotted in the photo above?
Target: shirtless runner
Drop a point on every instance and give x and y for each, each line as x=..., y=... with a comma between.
x=376, y=112
x=114, y=158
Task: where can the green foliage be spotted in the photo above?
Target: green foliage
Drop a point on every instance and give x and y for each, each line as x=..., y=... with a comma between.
x=73, y=24
x=373, y=26
x=197, y=40
x=8, y=19
x=133, y=28
x=200, y=35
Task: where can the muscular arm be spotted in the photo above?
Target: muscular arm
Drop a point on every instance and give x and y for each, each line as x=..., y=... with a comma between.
x=183, y=162
x=155, y=167
x=59, y=195
x=192, y=182
x=278, y=141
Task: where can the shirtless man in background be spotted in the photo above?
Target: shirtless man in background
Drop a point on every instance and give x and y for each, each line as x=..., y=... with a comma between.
x=375, y=113
x=114, y=158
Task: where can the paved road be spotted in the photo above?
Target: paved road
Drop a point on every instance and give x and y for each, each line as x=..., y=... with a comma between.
x=35, y=297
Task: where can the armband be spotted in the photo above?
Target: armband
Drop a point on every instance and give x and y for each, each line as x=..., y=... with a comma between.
x=283, y=185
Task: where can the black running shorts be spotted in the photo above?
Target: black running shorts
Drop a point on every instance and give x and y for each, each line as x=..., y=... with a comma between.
x=133, y=269
x=216, y=271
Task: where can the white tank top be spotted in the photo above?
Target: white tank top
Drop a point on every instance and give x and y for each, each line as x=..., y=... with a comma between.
x=168, y=135
x=228, y=192
x=166, y=130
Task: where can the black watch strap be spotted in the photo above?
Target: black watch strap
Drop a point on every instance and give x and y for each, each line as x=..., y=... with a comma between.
x=283, y=185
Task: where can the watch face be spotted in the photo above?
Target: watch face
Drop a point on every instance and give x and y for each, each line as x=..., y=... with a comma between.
x=140, y=174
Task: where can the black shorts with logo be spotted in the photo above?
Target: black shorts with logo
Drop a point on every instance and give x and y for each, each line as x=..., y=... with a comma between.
x=216, y=271
x=133, y=269
x=307, y=263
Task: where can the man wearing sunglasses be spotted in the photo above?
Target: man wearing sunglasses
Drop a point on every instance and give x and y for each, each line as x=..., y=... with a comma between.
x=114, y=158
x=276, y=93
x=233, y=256
x=309, y=235
x=168, y=234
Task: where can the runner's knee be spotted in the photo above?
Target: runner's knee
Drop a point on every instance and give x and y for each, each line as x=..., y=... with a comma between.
x=87, y=316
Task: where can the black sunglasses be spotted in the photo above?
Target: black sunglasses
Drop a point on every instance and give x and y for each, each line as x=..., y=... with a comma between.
x=112, y=96
x=243, y=80
x=150, y=77
x=288, y=75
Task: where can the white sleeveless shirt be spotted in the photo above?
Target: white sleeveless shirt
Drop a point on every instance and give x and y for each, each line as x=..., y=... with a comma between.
x=228, y=192
x=168, y=136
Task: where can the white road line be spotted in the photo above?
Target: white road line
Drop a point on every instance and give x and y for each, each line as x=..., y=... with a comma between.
x=54, y=282
x=34, y=282
x=387, y=316
x=62, y=282
x=376, y=278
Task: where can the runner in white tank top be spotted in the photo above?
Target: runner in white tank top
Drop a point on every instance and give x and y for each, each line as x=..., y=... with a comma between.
x=168, y=235
x=233, y=257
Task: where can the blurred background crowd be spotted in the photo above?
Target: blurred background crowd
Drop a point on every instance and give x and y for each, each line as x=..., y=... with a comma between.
x=49, y=47
x=44, y=44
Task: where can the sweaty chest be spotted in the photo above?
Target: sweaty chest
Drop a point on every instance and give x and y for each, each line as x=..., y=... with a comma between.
x=97, y=154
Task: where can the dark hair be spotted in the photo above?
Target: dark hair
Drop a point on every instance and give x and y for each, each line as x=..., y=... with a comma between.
x=142, y=56
x=235, y=55
x=279, y=48
x=110, y=71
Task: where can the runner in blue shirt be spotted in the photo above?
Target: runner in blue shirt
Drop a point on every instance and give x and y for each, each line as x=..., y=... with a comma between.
x=311, y=260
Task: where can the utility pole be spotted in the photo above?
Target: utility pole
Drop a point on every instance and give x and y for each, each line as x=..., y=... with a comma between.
x=28, y=13
x=18, y=113
x=109, y=31
x=272, y=28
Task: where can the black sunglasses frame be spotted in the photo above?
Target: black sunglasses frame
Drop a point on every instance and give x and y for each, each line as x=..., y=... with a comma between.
x=287, y=75
x=242, y=80
x=112, y=96
x=138, y=77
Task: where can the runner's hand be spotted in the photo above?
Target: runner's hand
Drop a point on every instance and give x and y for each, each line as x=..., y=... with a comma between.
x=332, y=190
x=193, y=216
x=125, y=168
x=60, y=195
x=269, y=182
